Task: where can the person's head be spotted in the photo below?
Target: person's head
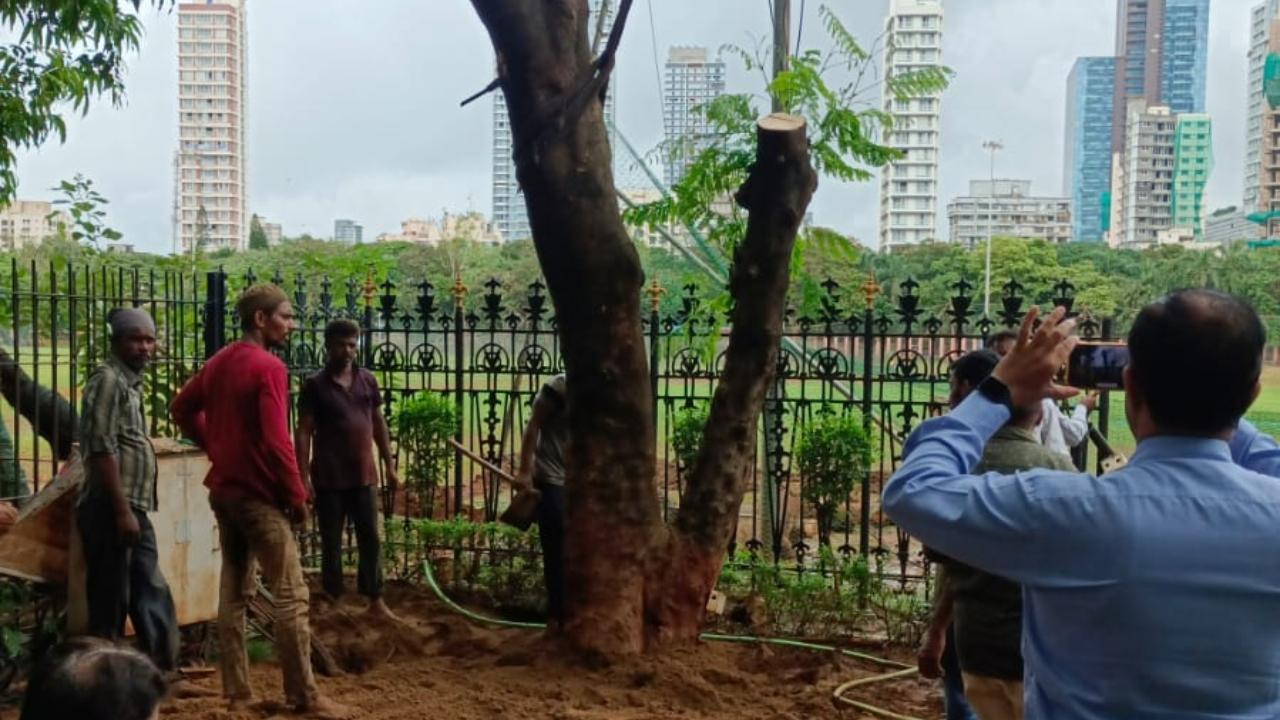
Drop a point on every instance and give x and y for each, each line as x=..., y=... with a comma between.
x=91, y=679
x=1195, y=365
x=266, y=315
x=970, y=370
x=133, y=336
x=341, y=343
x=1002, y=342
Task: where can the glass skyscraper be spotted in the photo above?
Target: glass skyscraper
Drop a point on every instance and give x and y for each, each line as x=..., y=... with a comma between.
x=1086, y=164
x=1184, y=54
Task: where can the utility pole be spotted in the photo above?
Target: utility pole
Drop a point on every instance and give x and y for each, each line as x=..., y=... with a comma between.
x=781, y=43
x=994, y=146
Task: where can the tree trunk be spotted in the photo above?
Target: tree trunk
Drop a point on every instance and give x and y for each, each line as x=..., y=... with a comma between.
x=632, y=582
x=776, y=195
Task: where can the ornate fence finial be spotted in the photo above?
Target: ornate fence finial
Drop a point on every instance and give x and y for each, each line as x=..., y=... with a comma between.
x=655, y=291
x=370, y=288
x=459, y=291
x=870, y=289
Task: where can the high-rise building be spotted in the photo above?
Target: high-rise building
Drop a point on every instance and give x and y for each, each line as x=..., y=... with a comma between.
x=1192, y=164
x=1142, y=192
x=1260, y=21
x=1086, y=167
x=348, y=231
x=1006, y=208
x=1162, y=50
x=1184, y=55
x=693, y=79
x=210, y=208
x=909, y=186
x=510, y=215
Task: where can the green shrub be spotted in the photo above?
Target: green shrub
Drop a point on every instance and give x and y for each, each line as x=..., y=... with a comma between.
x=833, y=455
x=424, y=422
x=686, y=434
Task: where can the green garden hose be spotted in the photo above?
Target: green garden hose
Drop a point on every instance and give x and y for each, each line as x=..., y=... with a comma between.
x=900, y=669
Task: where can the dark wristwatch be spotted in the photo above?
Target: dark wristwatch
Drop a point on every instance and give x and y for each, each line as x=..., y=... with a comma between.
x=996, y=391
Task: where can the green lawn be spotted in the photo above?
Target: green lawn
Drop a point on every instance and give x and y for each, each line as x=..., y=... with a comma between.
x=1265, y=413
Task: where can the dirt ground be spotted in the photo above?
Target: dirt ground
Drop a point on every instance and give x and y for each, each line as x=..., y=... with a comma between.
x=437, y=664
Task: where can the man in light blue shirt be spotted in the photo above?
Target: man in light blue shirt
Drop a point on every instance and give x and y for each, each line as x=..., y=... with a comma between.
x=1150, y=592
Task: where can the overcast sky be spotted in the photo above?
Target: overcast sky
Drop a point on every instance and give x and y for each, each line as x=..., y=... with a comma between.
x=353, y=106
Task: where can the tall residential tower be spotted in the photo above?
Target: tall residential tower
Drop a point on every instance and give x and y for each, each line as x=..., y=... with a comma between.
x=1260, y=22
x=210, y=208
x=909, y=186
x=1086, y=167
x=510, y=215
x=692, y=80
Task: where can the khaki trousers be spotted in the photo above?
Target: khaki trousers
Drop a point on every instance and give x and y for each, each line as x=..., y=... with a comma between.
x=993, y=699
x=254, y=534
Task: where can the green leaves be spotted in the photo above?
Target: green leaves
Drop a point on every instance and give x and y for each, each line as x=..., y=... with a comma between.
x=828, y=90
x=686, y=434
x=83, y=205
x=424, y=422
x=66, y=53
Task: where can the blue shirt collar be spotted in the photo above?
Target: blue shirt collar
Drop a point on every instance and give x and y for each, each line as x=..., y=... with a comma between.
x=1176, y=447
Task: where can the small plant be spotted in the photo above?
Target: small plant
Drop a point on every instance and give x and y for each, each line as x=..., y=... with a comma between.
x=84, y=204
x=424, y=422
x=686, y=434
x=833, y=455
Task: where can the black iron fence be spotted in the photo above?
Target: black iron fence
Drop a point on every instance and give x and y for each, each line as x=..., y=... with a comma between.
x=489, y=349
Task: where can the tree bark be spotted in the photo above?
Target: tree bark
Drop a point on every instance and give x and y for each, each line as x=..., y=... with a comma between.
x=632, y=582
x=593, y=274
x=776, y=195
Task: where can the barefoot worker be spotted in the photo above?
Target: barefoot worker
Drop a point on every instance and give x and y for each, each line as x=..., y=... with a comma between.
x=338, y=408
x=236, y=408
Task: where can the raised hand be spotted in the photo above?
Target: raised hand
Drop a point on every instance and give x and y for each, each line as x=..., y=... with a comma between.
x=1037, y=356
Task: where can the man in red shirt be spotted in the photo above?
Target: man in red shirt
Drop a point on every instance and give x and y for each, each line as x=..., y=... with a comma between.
x=236, y=408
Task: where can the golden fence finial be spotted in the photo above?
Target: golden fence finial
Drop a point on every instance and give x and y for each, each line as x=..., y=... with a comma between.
x=655, y=291
x=370, y=288
x=459, y=291
x=870, y=289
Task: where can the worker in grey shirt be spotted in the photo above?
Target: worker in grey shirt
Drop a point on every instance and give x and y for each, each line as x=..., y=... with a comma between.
x=1057, y=431
x=542, y=463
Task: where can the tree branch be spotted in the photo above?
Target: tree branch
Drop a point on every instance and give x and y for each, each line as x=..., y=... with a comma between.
x=776, y=194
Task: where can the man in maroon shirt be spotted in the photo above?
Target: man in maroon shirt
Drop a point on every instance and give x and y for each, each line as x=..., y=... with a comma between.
x=236, y=408
x=338, y=407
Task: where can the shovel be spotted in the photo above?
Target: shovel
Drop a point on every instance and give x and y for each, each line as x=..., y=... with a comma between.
x=524, y=504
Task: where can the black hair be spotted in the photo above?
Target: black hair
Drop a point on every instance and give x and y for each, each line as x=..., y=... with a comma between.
x=974, y=367
x=1195, y=358
x=340, y=329
x=91, y=679
x=1002, y=336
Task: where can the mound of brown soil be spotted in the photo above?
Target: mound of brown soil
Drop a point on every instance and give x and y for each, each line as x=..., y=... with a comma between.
x=434, y=664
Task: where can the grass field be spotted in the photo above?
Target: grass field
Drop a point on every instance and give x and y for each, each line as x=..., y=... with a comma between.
x=1265, y=413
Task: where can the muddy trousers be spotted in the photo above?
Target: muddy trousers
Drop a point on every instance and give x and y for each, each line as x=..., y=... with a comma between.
x=257, y=535
x=125, y=581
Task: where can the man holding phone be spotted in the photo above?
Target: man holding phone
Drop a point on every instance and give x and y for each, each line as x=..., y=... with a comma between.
x=1057, y=431
x=1144, y=593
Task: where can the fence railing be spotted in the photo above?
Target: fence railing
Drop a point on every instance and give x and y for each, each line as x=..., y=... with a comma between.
x=489, y=349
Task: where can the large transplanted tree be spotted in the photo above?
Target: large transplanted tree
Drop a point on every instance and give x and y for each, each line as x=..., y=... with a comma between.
x=636, y=582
